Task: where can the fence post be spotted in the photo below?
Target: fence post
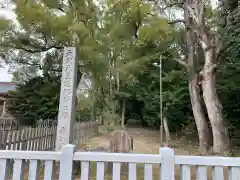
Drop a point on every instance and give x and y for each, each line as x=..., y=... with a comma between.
x=66, y=162
x=167, y=165
x=1, y=140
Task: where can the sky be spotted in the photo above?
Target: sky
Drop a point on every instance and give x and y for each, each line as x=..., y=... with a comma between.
x=4, y=75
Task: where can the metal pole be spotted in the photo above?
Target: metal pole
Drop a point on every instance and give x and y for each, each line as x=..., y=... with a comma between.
x=161, y=104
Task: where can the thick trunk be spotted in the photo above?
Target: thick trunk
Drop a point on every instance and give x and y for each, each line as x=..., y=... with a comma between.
x=100, y=120
x=93, y=110
x=214, y=107
x=123, y=114
x=102, y=104
x=166, y=129
x=118, y=80
x=204, y=132
x=112, y=121
x=210, y=47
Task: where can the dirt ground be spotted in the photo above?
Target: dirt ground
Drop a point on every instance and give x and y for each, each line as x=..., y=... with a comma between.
x=144, y=141
x=147, y=141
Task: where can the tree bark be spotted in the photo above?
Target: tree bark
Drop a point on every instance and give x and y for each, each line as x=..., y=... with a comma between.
x=166, y=129
x=211, y=48
x=204, y=133
x=123, y=114
x=214, y=106
x=93, y=110
x=112, y=121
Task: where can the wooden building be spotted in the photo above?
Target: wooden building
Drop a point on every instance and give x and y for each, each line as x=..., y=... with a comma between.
x=6, y=120
x=5, y=87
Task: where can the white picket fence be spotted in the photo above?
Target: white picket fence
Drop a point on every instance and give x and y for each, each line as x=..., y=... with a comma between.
x=166, y=159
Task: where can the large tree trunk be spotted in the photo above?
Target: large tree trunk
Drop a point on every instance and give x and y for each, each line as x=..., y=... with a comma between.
x=93, y=110
x=112, y=120
x=204, y=132
x=210, y=46
x=123, y=114
x=214, y=106
x=167, y=132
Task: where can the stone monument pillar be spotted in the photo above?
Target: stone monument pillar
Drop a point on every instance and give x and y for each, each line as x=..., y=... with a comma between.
x=67, y=103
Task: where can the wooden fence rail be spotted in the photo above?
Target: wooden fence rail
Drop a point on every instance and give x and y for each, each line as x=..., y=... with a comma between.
x=8, y=123
x=42, y=138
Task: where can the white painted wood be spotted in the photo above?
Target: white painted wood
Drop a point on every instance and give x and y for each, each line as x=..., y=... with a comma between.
x=100, y=171
x=167, y=165
x=34, y=170
x=148, y=172
x=234, y=173
x=116, y=170
x=207, y=160
x=84, y=170
x=132, y=171
x=67, y=102
x=66, y=162
x=201, y=173
x=185, y=172
x=118, y=157
x=66, y=157
x=18, y=169
x=4, y=169
x=49, y=170
x=217, y=173
x=45, y=155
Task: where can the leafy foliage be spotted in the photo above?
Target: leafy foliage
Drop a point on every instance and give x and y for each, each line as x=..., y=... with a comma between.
x=36, y=99
x=119, y=45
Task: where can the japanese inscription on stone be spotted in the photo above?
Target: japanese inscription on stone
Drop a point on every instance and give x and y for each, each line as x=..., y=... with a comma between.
x=5, y=4
x=67, y=98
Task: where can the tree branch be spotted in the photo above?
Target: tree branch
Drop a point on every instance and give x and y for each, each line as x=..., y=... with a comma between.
x=218, y=49
x=193, y=15
x=178, y=4
x=201, y=13
x=41, y=49
x=30, y=64
x=182, y=62
x=208, y=69
x=176, y=21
